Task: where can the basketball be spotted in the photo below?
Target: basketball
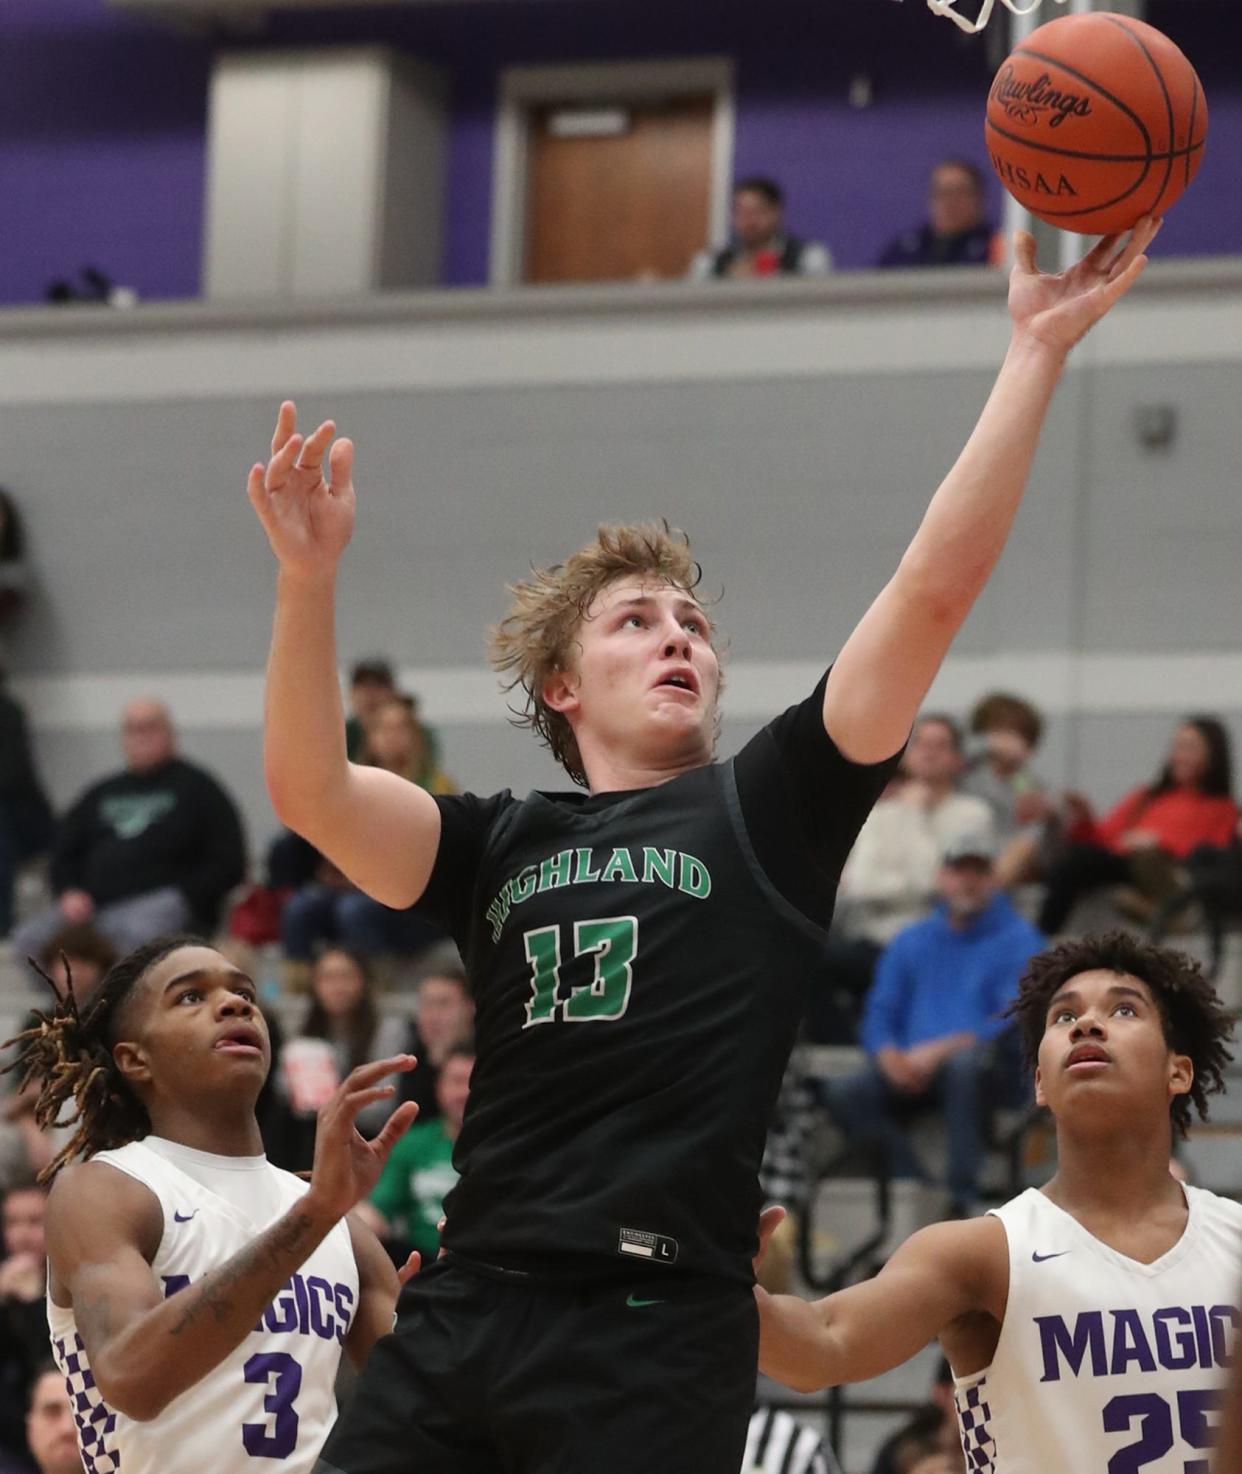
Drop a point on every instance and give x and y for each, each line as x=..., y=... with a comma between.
x=1095, y=121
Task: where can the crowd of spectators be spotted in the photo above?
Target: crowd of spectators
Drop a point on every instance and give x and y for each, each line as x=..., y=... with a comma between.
x=955, y=232
x=964, y=868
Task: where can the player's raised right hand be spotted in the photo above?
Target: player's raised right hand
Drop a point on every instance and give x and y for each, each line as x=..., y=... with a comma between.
x=308, y=515
x=347, y=1166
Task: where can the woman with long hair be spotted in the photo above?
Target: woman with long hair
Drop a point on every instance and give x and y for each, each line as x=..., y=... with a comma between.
x=398, y=741
x=342, y=1029
x=1155, y=828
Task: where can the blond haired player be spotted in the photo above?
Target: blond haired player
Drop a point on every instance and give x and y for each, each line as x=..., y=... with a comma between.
x=595, y=1297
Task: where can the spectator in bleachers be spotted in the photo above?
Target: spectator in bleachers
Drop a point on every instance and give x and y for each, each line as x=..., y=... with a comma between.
x=154, y=848
x=371, y=682
x=343, y=1028
x=1154, y=830
x=1213, y=881
x=760, y=245
x=889, y=880
x=419, y=1174
x=51, y=1432
x=331, y=911
x=399, y=742
x=443, y=1018
x=957, y=231
x=328, y=908
x=1001, y=774
x=25, y=1148
x=291, y=861
x=935, y=1023
x=23, y=1316
x=25, y=814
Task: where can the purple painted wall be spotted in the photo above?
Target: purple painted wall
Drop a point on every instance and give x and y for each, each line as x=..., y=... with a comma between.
x=101, y=149
x=102, y=117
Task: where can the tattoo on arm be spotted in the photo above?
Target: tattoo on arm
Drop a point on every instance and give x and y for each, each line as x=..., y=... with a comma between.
x=271, y=1252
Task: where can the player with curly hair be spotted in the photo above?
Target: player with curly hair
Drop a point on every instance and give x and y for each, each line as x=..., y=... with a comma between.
x=1089, y=1323
x=199, y=1299
x=639, y=952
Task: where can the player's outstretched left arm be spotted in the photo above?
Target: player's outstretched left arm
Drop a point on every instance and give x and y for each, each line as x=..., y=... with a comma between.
x=884, y=671
x=939, y=1276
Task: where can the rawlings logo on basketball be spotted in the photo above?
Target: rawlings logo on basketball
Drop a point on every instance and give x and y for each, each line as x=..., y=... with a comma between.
x=1029, y=103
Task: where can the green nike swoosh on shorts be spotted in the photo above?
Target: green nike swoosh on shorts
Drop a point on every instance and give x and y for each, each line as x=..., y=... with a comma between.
x=634, y=1304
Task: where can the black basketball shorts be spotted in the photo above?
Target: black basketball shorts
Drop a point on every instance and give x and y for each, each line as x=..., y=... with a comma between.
x=650, y=1375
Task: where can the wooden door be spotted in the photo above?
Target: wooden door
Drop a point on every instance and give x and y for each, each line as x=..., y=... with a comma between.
x=618, y=205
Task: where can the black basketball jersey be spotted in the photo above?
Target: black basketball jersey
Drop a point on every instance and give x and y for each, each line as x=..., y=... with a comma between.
x=639, y=963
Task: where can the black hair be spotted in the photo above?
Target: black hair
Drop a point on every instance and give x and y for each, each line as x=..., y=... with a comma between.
x=1217, y=780
x=1194, y=1019
x=374, y=671
x=44, y=1367
x=761, y=185
x=69, y=1052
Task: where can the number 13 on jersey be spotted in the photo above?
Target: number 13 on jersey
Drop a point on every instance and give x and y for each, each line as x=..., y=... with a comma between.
x=612, y=941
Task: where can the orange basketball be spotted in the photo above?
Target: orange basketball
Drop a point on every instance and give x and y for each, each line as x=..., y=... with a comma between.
x=1095, y=121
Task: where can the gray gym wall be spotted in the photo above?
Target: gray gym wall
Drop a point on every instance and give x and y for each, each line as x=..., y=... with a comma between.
x=796, y=431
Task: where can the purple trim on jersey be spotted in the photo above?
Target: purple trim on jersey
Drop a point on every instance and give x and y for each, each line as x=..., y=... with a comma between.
x=974, y=1417
x=94, y=1418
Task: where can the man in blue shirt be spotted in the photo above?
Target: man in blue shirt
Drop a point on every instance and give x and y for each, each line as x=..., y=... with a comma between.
x=935, y=1017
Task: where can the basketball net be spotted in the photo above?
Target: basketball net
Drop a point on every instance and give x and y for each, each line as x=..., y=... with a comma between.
x=948, y=8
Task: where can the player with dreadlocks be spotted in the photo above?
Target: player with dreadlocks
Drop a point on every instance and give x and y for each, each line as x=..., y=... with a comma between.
x=198, y=1297
x=1088, y=1323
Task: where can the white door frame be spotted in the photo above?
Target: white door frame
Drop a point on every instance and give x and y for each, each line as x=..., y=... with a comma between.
x=524, y=88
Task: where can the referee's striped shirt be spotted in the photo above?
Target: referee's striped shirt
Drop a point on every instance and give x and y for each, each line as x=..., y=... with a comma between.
x=778, y=1443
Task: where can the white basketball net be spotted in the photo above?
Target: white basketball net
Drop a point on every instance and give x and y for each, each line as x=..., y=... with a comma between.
x=948, y=8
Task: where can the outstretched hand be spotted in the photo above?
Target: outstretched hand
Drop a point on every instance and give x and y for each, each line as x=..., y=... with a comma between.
x=307, y=513
x=1060, y=308
x=347, y=1166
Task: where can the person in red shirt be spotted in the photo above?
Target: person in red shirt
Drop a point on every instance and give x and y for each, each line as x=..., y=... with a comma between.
x=1190, y=806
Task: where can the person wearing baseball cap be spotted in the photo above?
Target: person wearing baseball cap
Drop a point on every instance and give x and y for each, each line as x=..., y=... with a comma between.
x=934, y=1025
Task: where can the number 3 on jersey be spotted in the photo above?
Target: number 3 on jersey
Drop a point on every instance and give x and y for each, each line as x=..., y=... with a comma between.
x=614, y=944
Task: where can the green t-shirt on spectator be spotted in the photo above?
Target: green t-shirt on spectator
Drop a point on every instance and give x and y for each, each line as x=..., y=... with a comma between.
x=414, y=1183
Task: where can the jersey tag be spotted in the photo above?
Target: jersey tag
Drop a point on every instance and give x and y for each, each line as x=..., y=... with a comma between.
x=655, y=1246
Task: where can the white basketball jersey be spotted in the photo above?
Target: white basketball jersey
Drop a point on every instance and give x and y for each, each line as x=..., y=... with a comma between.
x=1103, y=1363
x=268, y=1406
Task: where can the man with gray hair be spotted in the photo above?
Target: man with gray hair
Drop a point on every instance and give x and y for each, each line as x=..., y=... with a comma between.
x=151, y=849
